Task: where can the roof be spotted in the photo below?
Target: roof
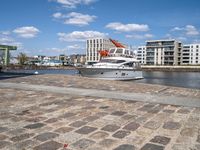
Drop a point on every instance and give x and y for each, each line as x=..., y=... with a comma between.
x=8, y=47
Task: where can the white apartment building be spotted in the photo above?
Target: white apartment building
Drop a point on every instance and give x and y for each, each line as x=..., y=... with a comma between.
x=191, y=54
x=141, y=54
x=163, y=52
x=94, y=45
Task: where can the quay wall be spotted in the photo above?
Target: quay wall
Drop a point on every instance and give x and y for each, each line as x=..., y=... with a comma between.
x=172, y=68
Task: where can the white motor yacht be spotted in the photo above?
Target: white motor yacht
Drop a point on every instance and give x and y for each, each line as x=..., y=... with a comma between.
x=119, y=64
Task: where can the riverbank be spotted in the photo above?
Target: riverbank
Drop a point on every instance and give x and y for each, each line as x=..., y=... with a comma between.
x=34, y=67
x=171, y=68
x=61, y=111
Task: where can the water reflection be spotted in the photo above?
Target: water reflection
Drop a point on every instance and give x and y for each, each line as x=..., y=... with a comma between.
x=180, y=79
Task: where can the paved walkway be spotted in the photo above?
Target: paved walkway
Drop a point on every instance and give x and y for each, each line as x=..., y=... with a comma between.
x=143, y=97
x=49, y=116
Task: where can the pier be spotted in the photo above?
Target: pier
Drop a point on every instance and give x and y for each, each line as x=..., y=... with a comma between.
x=71, y=112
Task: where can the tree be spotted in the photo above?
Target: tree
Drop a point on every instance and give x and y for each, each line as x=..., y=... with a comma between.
x=22, y=58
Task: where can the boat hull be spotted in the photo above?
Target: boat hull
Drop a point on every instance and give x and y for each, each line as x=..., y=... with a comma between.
x=111, y=74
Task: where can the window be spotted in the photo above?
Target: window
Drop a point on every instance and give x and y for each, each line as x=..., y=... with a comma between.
x=112, y=50
x=119, y=51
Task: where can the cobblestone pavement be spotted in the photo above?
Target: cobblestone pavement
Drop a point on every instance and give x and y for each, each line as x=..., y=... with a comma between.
x=47, y=121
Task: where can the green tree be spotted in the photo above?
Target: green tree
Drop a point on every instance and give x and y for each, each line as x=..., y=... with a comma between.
x=22, y=58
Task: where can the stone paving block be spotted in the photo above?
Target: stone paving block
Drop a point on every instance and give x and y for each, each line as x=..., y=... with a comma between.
x=99, y=135
x=4, y=144
x=50, y=145
x=121, y=134
x=149, y=146
x=106, y=143
x=64, y=129
x=51, y=120
x=25, y=144
x=146, y=107
x=3, y=137
x=118, y=113
x=196, y=111
x=17, y=131
x=197, y=146
x=21, y=137
x=160, y=140
x=132, y=126
x=34, y=126
x=101, y=114
x=183, y=111
x=171, y=125
x=170, y=111
x=141, y=119
x=83, y=143
x=77, y=124
x=110, y=128
x=35, y=119
x=91, y=118
x=104, y=107
x=86, y=130
x=198, y=138
x=129, y=117
x=67, y=115
x=125, y=147
x=188, y=132
x=3, y=129
x=155, y=110
x=46, y=136
x=152, y=125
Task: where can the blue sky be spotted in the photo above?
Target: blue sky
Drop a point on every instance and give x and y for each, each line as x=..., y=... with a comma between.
x=53, y=27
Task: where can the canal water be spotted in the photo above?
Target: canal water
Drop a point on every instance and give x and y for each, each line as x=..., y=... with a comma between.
x=178, y=79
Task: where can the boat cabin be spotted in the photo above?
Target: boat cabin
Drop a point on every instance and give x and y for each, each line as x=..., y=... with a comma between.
x=121, y=52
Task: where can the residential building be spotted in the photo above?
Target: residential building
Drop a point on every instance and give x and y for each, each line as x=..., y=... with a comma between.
x=94, y=45
x=191, y=54
x=77, y=59
x=163, y=52
x=141, y=54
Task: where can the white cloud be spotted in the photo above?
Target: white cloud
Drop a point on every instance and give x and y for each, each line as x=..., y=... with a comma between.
x=188, y=30
x=137, y=36
x=73, y=3
x=26, y=32
x=79, y=19
x=74, y=47
x=177, y=29
x=57, y=15
x=80, y=35
x=75, y=18
x=127, y=27
x=5, y=32
x=191, y=30
x=6, y=39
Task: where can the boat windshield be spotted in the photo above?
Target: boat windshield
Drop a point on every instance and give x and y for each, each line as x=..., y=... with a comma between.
x=112, y=61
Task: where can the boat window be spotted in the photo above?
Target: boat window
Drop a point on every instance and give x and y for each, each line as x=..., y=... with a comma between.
x=127, y=52
x=112, y=61
x=120, y=51
x=130, y=64
x=112, y=50
x=120, y=61
x=131, y=52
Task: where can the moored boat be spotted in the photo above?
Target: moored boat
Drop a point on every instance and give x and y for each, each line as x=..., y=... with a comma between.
x=115, y=64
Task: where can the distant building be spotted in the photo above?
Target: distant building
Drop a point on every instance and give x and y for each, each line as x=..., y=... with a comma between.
x=163, y=52
x=141, y=54
x=191, y=54
x=39, y=57
x=94, y=45
x=77, y=59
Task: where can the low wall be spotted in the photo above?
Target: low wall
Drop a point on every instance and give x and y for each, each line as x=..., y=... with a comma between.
x=171, y=68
